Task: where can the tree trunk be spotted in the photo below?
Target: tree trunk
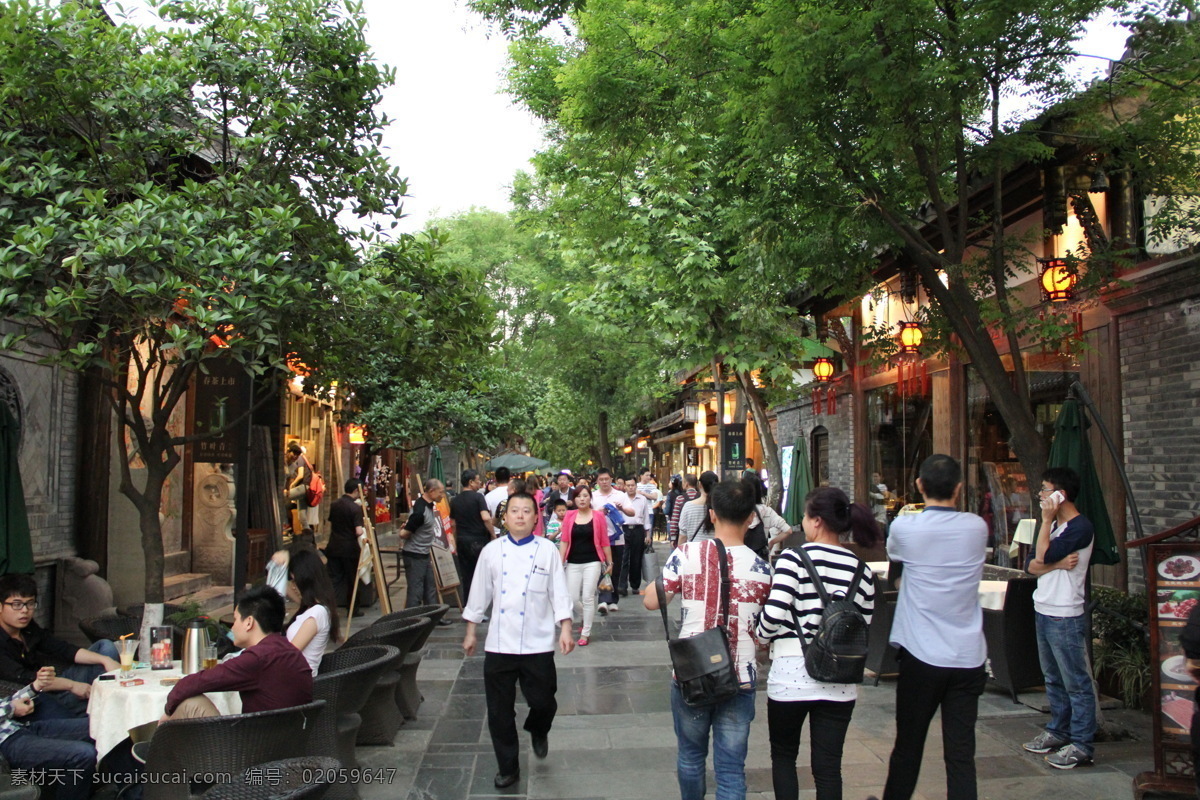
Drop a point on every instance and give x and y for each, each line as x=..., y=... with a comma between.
x=766, y=436
x=605, y=454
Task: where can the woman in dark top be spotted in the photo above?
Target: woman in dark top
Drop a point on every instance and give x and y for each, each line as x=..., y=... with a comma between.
x=585, y=552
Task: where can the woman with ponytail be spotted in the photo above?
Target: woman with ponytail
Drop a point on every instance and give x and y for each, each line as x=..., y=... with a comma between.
x=830, y=521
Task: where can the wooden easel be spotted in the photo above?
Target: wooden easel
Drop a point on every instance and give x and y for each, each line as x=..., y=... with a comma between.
x=445, y=573
x=381, y=587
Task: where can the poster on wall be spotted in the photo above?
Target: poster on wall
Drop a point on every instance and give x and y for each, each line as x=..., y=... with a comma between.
x=1175, y=582
x=733, y=447
x=221, y=397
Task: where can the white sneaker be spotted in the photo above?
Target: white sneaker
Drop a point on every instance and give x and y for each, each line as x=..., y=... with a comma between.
x=602, y=609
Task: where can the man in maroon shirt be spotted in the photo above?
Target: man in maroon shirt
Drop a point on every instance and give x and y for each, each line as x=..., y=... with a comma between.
x=271, y=673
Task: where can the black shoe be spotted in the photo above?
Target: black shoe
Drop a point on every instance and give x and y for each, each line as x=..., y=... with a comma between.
x=358, y=612
x=505, y=781
x=624, y=593
x=541, y=746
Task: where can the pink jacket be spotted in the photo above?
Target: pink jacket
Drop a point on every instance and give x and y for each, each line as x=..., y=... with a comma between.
x=599, y=533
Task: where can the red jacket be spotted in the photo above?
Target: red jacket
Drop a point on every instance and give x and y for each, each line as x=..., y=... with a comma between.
x=599, y=533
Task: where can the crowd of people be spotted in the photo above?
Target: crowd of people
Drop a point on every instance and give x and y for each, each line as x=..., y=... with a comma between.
x=937, y=559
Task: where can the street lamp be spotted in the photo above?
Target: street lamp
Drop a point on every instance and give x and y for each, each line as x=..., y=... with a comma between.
x=1058, y=280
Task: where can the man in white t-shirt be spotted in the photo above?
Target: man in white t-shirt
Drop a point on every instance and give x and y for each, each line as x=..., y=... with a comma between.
x=608, y=495
x=498, y=495
x=637, y=532
x=693, y=572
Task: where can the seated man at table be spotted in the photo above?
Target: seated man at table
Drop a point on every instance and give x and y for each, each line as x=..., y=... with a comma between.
x=56, y=746
x=269, y=674
x=25, y=648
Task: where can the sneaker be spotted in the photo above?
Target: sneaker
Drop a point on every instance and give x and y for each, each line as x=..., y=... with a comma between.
x=1046, y=742
x=613, y=607
x=1068, y=757
x=602, y=609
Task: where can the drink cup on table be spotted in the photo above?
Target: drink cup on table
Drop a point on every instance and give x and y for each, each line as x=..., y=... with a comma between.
x=127, y=649
x=209, y=655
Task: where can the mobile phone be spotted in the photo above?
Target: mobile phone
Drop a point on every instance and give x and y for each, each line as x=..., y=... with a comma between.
x=1057, y=497
x=108, y=677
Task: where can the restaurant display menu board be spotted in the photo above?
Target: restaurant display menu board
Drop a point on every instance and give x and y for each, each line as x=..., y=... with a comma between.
x=1173, y=586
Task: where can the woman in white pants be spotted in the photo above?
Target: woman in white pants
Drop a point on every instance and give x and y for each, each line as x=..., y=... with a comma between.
x=585, y=551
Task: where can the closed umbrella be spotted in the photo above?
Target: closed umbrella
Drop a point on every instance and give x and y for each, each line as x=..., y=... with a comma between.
x=435, y=463
x=800, y=485
x=16, y=549
x=1071, y=449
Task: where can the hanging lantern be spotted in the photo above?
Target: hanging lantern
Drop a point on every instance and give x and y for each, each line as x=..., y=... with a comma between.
x=823, y=370
x=700, y=429
x=910, y=337
x=358, y=434
x=1058, y=280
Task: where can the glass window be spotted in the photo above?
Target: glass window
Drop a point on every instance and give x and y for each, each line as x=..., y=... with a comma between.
x=899, y=438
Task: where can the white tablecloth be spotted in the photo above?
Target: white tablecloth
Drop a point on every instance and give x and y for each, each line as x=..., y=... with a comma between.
x=113, y=709
x=991, y=593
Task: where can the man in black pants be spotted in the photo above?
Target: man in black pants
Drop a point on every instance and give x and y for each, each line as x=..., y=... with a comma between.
x=636, y=531
x=938, y=629
x=346, y=535
x=473, y=527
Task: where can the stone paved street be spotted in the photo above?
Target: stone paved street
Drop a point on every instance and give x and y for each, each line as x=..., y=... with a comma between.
x=613, y=736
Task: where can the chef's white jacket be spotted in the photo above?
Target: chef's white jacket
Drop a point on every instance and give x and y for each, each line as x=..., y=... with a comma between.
x=526, y=587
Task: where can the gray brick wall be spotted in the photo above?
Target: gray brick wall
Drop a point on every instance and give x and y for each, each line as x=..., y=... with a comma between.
x=1160, y=375
x=797, y=418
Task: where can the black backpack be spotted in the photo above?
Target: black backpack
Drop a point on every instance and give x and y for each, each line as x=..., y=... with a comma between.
x=838, y=650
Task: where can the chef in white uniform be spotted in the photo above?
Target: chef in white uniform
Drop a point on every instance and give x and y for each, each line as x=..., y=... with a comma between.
x=521, y=578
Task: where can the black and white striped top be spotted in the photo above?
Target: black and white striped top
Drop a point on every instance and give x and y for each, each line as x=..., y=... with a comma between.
x=791, y=586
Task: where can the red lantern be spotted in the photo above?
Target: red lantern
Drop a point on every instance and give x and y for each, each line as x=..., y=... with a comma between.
x=823, y=370
x=910, y=337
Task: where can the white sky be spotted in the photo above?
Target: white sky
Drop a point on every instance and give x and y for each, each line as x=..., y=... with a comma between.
x=455, y=135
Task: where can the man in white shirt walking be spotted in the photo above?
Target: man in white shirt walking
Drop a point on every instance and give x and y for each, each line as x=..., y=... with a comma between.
x=521, y=577
x=938, y=629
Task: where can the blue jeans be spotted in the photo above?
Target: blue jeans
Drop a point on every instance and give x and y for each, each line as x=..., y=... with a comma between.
x=730, y=725
x=1062, y=651
x=59, y=751
x=64, y=705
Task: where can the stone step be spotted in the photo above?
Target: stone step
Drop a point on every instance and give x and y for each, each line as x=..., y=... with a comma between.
x=177, y=563
x=213, y=600
x=185, y=583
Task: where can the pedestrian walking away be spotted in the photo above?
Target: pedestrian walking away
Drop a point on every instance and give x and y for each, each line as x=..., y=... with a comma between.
x=1060, y=560
x=473, y=527
x=793, y=695
x=938, y=631
x=693, y=572
x=520, y=578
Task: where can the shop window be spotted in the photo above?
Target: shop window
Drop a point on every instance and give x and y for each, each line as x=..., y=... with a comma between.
x=899, y=438
x=820, y=456
x=997, y=488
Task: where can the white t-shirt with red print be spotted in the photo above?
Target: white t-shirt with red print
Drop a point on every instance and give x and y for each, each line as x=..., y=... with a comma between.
x=692, y=572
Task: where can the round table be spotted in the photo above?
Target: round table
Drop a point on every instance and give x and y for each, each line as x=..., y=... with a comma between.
x=113, y=709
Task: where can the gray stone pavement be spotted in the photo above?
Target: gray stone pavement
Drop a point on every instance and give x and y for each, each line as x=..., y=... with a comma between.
x=613, y=736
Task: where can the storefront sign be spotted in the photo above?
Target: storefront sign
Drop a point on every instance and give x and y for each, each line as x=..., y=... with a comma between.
x=733, y=447
x=222, y=396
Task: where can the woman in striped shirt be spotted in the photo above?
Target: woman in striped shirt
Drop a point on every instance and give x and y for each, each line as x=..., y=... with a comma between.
x=792, y=694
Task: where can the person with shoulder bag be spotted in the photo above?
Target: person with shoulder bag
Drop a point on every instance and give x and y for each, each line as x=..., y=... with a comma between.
x=821, y=594
x=719, y=624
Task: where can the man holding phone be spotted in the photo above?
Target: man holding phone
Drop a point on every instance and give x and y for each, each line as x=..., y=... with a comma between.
x=1060, y=560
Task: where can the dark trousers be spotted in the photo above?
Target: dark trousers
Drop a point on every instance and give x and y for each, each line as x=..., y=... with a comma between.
x=418, y=572
x=635, y=547
x=827, y=734
x=539, y=682
x=920, y=690
x=342, y=574
x=468, y=558
x=618, y=554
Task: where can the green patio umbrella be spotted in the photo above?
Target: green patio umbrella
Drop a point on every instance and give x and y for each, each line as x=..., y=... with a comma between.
x=800, y=485
x=16, y=549
x=1071, y=449
x=516, y=462
x=435, y=463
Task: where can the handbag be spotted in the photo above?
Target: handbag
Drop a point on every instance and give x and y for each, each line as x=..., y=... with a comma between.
x=649, y=561
x=704, y=670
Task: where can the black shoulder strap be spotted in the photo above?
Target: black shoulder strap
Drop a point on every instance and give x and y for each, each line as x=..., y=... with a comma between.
x=812, y=573
x=662, y=604
x=859, y=572
x=724, y=583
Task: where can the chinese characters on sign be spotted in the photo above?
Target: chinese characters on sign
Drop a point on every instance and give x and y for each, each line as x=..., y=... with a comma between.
x=222, y=398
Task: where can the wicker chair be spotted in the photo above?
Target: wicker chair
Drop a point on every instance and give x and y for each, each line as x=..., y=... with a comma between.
x=111, y=627
x=408, y=695
x=345, y=681
x=228, y=745
x=381, y=717
x=306, y=778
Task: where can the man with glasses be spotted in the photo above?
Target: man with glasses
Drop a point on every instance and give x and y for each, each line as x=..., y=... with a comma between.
x=25, y=648
x=1060, y=560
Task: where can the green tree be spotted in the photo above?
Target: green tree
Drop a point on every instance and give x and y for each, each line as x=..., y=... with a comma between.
x=162, y=188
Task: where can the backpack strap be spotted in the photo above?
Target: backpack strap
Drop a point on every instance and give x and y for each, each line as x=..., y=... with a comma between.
x=824, y=594
x=859, y=572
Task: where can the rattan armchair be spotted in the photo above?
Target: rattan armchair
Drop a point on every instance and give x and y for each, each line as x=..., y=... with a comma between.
x=110, y=627
x=345, y=680
x=305, y=778
x=226, y=745
x=408, y=695
x=381, y=716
